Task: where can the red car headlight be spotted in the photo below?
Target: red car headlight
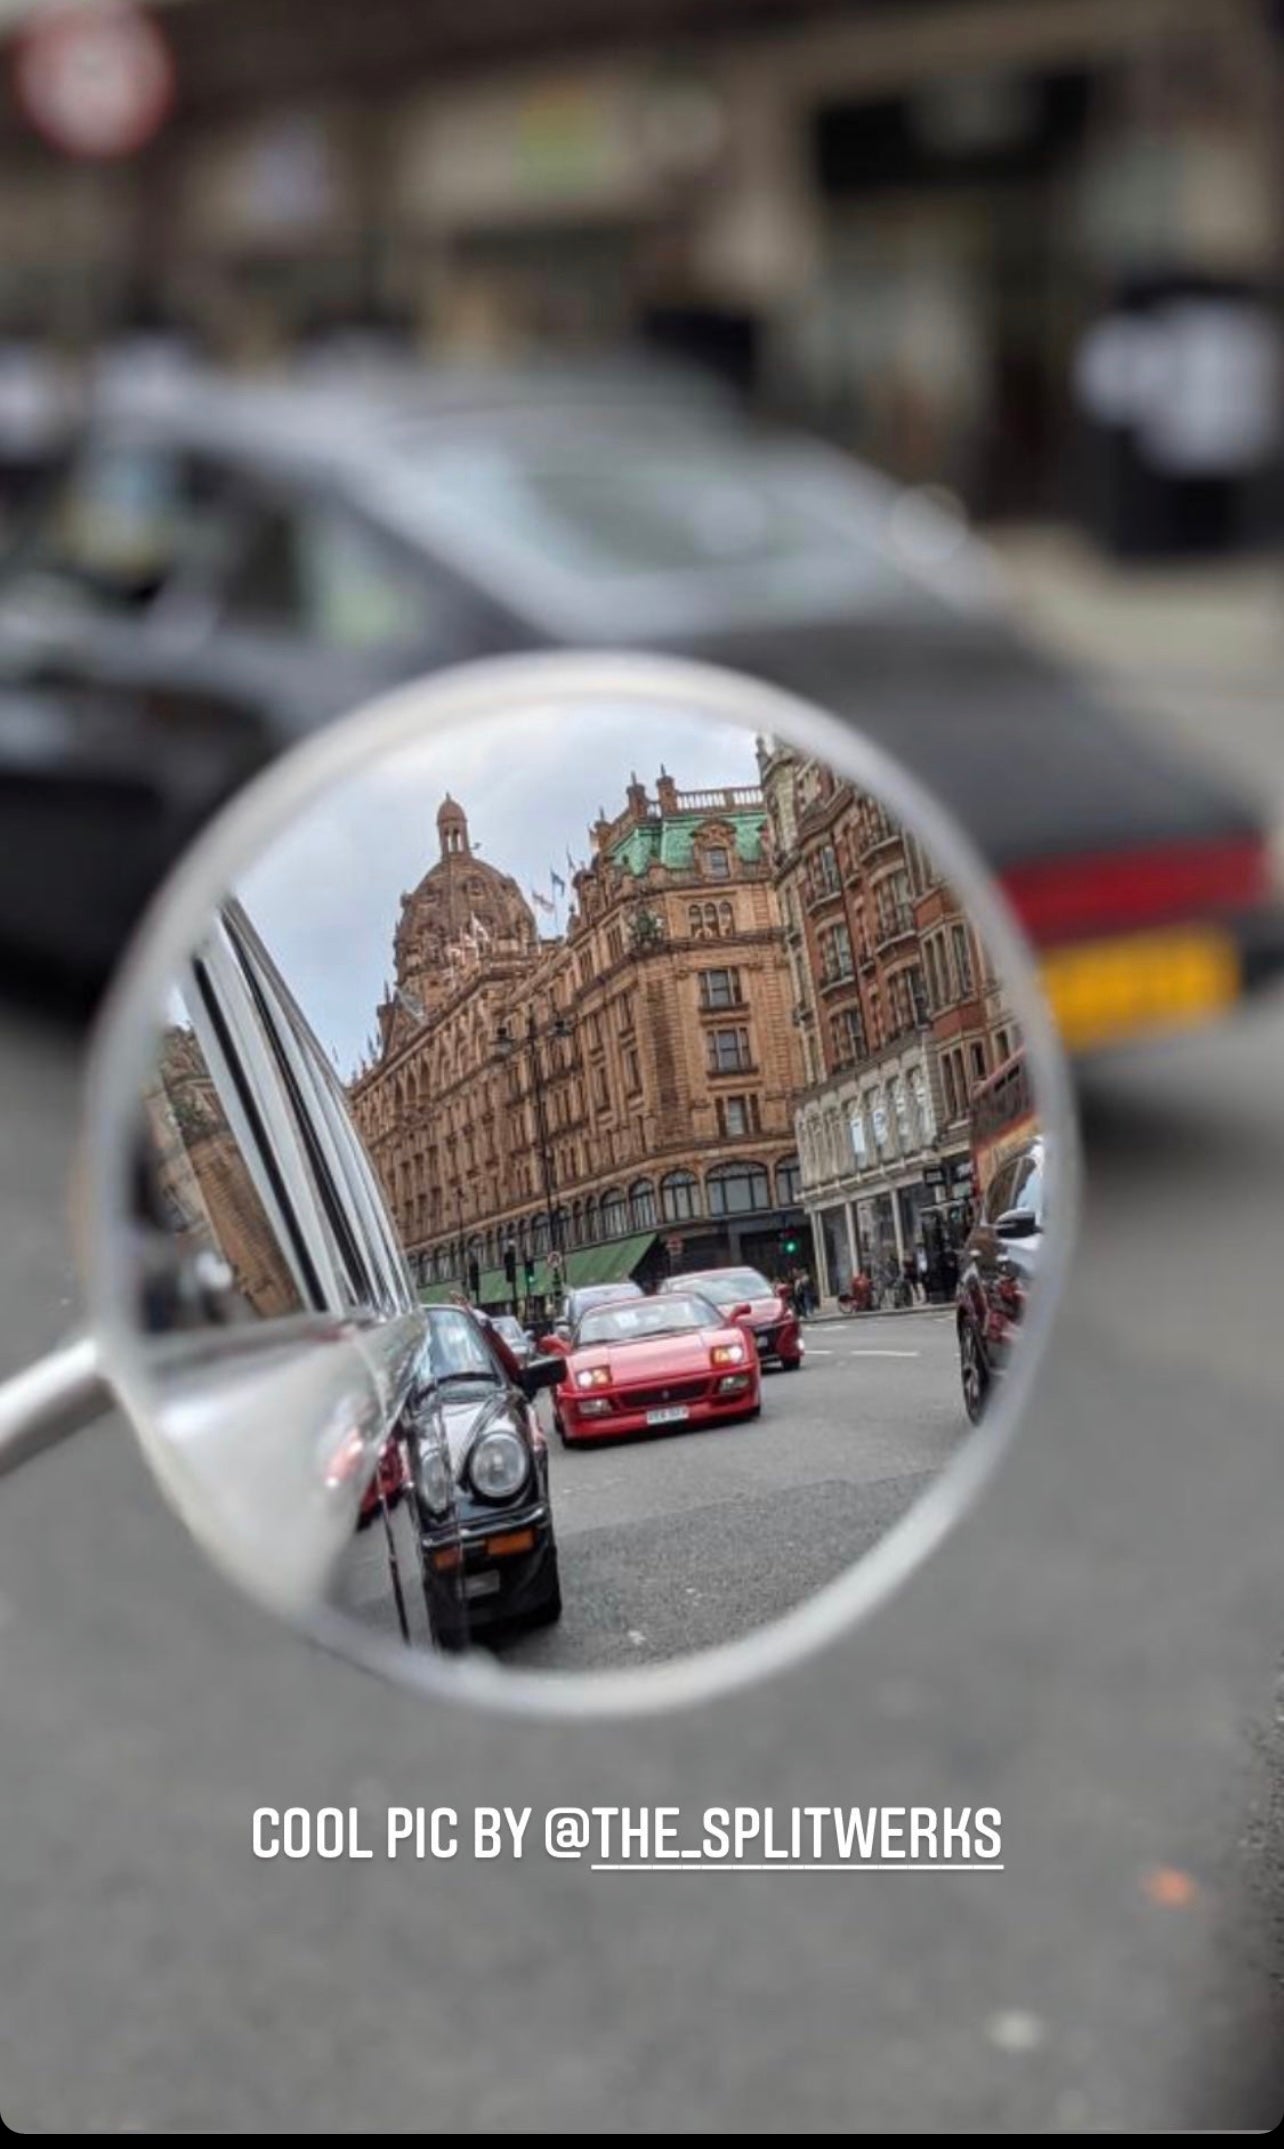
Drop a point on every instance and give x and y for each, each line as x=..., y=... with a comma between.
x=593, y=1377
x=728, y=1354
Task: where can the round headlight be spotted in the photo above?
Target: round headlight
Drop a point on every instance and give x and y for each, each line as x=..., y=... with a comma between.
x=436, y=1480
x=498, y=1465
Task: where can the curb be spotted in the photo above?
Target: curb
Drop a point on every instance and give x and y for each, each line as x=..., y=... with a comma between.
x=874, y=1313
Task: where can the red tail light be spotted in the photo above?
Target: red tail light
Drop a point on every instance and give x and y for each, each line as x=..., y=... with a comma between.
x=1057, y=898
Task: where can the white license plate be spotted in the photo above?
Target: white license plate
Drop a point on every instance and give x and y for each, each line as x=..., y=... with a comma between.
x=481, y=1585
x=672, y=1414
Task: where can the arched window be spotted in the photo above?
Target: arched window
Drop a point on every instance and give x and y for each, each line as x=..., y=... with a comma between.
x=539, y=1234
x=615, y=1214
x=789, y=1183
x=679, y=1196
x=642, y=1204
x=726, y=918
x=590, y=1220
x=737, y=1189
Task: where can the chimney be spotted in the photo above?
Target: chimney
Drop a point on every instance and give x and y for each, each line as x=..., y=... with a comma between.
x=637, y=798
x=667, y=792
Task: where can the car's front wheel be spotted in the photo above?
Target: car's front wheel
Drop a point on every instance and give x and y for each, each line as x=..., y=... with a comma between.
x=973, y=1372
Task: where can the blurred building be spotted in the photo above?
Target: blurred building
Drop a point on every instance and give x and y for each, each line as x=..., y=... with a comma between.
x=901, y=222
x=613, y=1100
x=901, y=1020
x=203, y=1187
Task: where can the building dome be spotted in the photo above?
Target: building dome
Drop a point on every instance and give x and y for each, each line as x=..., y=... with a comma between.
x=462, y=903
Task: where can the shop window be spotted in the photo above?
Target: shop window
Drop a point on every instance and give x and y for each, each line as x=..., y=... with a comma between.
x=789, y=1183
x=679, y=1197
x=737, y=1190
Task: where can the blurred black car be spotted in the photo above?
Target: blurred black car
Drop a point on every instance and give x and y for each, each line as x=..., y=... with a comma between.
x=219, y=567
x=998, y=1264
x=479, y=1470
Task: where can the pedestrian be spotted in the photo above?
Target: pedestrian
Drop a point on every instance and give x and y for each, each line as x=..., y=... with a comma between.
x=803, y=1295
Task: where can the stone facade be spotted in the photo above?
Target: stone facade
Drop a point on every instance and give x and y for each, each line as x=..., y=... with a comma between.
x=632, y=1076
x=900, y=1018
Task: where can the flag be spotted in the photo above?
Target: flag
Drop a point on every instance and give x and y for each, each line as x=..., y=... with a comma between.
x=481, y=933
x=557, y=884
x=541, y=902
x=571, y=866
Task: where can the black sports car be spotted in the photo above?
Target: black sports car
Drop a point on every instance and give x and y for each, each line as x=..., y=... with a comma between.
x=220, y=567
x=479, y=1471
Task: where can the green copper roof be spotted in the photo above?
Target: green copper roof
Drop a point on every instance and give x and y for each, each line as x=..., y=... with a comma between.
x=669, y=840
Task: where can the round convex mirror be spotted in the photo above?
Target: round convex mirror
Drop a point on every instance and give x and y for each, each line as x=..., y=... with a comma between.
x=579, y=1178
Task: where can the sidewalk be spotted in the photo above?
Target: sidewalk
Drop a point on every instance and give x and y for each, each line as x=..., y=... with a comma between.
x=825, y=1319
x=1220, y=620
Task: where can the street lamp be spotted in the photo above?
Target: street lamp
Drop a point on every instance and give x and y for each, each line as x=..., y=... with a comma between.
x=530, y=1039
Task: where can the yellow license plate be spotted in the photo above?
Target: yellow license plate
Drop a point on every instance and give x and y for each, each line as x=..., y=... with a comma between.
x=1103, y=991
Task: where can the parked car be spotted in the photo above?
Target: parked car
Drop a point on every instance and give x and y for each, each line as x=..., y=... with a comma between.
x=520, y=1341
x=999, y=1260
x=581, y=1300
x=487, y=1540
x=283, y=551
x=746, y=1295
x=653, y=1364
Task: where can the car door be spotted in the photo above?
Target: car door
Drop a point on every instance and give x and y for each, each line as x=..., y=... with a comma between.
x=285, y=1325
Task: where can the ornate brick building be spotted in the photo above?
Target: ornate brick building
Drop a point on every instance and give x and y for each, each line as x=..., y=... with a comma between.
x=900, y=1018
x=615, y=1099
x=206, y=1196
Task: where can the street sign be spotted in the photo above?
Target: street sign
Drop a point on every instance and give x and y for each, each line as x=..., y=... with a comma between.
x=96, y=80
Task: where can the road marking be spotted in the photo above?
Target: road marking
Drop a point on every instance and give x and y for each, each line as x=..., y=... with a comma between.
x=884, y=1354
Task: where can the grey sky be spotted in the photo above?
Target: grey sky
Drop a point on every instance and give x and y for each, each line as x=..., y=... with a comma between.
x=326, y=898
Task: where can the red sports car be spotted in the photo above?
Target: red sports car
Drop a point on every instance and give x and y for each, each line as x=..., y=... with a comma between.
x=745, y=1295
x=650, y=1363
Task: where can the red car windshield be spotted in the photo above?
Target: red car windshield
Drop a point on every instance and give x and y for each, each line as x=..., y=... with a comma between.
x=640, y=1320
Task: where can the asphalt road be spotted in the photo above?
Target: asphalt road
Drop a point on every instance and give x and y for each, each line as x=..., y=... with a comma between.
x=680, y=1541
x=1096, y=1650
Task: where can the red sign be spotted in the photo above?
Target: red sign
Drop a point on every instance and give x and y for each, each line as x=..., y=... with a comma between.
x=95, y=80
x=673, y=1246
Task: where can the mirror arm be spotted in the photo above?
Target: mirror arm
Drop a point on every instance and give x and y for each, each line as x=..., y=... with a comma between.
x=56, y=1396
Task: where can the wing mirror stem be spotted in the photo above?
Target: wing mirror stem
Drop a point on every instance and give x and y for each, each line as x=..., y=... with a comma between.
x=56, y=1396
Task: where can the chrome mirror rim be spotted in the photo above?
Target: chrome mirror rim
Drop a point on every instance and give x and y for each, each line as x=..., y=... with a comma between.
x=177, y=917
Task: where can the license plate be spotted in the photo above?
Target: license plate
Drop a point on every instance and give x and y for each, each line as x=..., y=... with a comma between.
x=481, y=1585
x=672, y=1414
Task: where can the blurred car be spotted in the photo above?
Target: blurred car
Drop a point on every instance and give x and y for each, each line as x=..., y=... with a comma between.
x=746, y=1295
x=488, y=1546
x=580, y=1301
x=653, y=1364
x=999, y=1260
x=385, y=1487
x=283, y=551
x=520, y=1341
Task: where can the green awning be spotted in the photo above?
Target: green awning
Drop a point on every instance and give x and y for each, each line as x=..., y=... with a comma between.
x=609, y=1262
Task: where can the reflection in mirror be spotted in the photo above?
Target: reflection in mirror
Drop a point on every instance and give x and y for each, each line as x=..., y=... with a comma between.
x=578, y=1212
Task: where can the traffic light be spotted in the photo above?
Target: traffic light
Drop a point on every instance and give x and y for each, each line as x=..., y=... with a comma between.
x=530, y=1273
x=510, y=1264
x=474, y=1279
x=791, y=1244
